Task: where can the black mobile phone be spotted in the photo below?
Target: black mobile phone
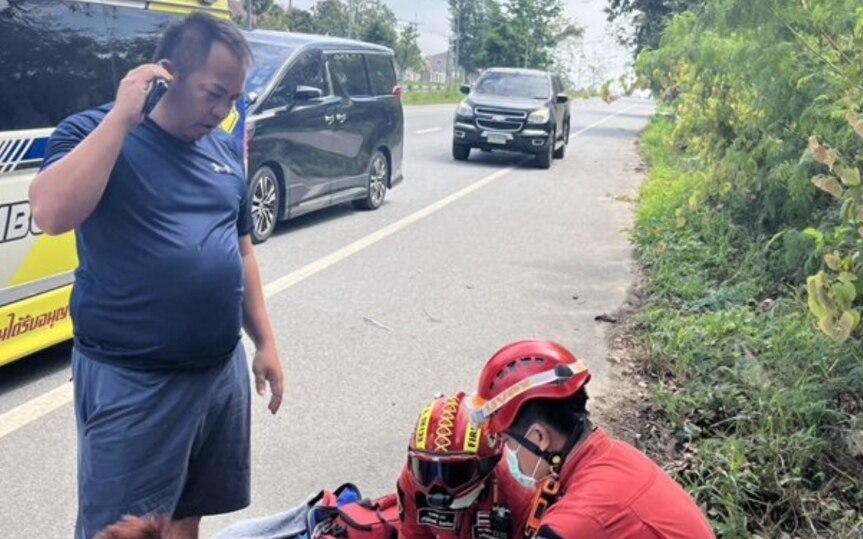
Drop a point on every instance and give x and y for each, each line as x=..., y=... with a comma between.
x=157, y=90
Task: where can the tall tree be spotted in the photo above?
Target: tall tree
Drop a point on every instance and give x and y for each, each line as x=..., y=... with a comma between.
x=262, y=7
x=499, y=43
x=469, y=20
x=375, y=22
x=408, y=54
x=300, y=20
x=539, y=26
x=274, y=18
x=330, y=18
x=642, y=22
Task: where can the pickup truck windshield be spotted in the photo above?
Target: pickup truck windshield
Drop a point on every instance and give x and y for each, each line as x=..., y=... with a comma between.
x=514, y=85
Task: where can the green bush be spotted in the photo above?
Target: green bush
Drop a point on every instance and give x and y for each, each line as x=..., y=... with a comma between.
x=767, y=100
x=432, y=98
x=760, y=401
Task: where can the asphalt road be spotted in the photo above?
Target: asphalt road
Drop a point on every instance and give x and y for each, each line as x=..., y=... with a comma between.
x=377, y=311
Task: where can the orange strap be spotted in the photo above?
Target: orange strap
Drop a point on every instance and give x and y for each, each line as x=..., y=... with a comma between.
x=546, y=495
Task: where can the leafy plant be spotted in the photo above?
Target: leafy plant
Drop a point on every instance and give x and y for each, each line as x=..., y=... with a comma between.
x=833, y=293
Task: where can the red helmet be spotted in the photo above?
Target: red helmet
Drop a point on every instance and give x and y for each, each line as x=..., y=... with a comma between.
x=447, y=451
x=522, y=371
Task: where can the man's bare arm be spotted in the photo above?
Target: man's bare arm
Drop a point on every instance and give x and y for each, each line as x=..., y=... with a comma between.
x=266, y=366
x=65, y=194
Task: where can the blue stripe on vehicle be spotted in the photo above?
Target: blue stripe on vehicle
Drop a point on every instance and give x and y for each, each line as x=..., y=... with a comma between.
x=37, y=149
x=20, y=153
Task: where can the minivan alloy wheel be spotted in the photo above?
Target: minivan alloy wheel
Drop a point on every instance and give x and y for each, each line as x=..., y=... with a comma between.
x=379, y=175
x=378, y=179
x=265, y=203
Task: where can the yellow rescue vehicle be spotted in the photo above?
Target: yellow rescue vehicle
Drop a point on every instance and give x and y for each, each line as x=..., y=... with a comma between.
x=57, y=57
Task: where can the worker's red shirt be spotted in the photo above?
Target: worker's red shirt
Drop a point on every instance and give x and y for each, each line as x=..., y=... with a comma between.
x=612, y=490
x=419, y=521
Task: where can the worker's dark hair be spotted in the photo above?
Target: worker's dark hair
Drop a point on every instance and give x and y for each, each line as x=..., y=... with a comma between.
x=187, y=42
x=563, y=415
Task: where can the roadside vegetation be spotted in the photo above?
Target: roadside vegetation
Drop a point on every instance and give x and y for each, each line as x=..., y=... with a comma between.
x=750, y=232
x=419, y=96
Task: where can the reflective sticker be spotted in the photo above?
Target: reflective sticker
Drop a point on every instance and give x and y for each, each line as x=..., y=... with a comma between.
x=471, y=439
x=422, y=434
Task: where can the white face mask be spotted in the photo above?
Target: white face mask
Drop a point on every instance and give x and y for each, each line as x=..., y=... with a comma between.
x=468, y=499
x=527, y=481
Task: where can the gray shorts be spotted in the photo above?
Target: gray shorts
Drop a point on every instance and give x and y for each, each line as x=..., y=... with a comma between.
x=165, y=442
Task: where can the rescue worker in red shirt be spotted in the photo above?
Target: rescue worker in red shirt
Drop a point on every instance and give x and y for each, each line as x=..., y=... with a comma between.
x=589, y=486
x=452, y=486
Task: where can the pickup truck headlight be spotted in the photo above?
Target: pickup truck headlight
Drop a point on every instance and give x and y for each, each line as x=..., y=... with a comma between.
x=540, y=116
x=464, y=110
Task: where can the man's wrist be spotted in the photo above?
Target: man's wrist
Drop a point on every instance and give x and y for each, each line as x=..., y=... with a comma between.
x=266, y=344
x=116, y=121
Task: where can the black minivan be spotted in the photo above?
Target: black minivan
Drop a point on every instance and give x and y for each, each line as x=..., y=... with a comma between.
x=324, y=125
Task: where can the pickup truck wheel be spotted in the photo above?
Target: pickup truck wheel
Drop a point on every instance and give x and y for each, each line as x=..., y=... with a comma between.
x=560, y=153
x=460, y=152
x=544, y=158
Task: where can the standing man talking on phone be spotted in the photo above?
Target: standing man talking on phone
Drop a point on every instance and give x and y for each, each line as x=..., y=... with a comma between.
x=166, y=283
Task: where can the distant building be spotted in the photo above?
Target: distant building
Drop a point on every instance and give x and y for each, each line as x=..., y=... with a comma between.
x=436, y=68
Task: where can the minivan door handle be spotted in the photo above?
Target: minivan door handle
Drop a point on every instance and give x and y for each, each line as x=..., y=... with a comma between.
x=341, y=117
x=330, y=119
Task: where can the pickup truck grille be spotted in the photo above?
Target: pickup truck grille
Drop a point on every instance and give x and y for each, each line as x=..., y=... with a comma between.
x=500, y=119
x=499, y=126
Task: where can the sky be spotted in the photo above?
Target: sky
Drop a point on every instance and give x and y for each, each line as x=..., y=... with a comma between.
x=432, y=16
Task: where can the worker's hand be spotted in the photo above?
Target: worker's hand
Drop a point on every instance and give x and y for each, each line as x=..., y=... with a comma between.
x=267, y=369
x=132, y=93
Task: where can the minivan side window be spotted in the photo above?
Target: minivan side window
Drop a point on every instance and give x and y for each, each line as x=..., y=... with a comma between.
x=381, y=73
x=349, y=70
x=307, y=70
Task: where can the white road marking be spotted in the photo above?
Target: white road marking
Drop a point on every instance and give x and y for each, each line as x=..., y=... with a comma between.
x=283, y=283
x=46, y=403
x=427, y=131
x=34, y=409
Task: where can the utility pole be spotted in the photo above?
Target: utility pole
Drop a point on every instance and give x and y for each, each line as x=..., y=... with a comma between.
x=350, y=19
x=448, y=69
x=458, y=8
x=249, y=13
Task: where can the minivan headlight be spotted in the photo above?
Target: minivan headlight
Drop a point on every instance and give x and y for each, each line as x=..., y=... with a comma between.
x=539, y=116
x=464, y=110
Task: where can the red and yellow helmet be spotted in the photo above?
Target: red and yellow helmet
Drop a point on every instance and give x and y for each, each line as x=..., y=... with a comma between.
x=520, y=372
x=447, y=452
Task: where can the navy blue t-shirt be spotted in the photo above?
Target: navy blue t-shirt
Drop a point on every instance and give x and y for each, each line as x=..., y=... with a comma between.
x=160, y=282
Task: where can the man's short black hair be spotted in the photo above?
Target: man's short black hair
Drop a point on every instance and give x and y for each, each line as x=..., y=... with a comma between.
x=187, y=42
x=563, y=415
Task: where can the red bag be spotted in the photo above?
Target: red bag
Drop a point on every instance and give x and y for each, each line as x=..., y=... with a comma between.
x=365, y=519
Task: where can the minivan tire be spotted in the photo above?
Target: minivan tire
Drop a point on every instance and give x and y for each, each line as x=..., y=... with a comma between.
x=265, y=195
x=378, y=178
x=460, y=152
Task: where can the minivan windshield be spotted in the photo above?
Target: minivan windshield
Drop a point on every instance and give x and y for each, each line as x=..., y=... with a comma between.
x=514, y=85
x=268, y=60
